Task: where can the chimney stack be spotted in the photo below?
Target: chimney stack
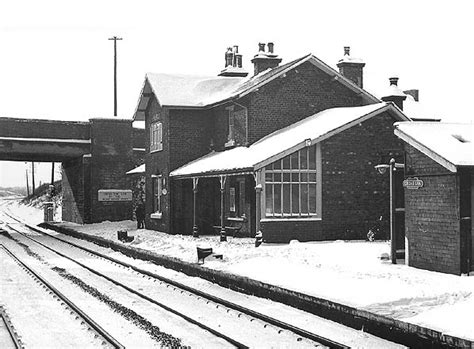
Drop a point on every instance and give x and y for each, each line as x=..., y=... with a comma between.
x=394, y=94
x=265, y=60
x=351, y=68
x=233, y=63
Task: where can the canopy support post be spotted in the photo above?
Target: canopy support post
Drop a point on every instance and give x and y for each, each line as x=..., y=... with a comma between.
x=222, y=233
x=195, y=190
x=258, y=207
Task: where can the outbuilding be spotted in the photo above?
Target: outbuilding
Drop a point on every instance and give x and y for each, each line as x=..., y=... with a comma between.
x=439, y=199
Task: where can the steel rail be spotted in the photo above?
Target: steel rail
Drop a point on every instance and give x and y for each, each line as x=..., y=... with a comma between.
x=141, y=295
x=299, y=331
x=9, y=326
x=74, y=307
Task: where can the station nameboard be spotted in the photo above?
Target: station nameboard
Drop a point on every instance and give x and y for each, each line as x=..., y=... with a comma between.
x=413, y=183
x=115, y=195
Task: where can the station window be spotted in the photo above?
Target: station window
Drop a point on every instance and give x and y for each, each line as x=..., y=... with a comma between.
x=157, y=184
x=156, y=137
x=293, y=185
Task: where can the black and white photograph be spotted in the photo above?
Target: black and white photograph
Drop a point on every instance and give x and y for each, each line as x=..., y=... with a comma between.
x=250, y=174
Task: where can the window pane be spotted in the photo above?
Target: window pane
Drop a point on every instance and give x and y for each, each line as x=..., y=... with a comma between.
x=286, y=162
x=286, y=198
x=277, y=165
x=241, y=208
x=294, y=161
x=304, y=198
x=295, y=199
x=268, y=177
x=304, y=158
x=277, y=198
x=277, y=177
x=286, y=177
x=312, y=177
x=232, y=200
x=304, y=177
x=312, y=198
x=295, y=177
x=312, y=157
x=269, y=167
x=268, y=199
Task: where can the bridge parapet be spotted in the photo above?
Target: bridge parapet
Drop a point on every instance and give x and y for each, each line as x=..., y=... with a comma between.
x=38, y=128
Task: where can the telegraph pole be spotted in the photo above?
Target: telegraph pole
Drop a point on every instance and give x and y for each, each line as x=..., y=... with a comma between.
x=114, y=38
x=32, y=178
x=27, y=185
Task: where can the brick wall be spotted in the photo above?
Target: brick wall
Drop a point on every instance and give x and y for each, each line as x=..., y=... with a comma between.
x=299, y=93
x=432, y=216
x=73, y=191
x=354, y=195
x=157, y=163
x=111, y=158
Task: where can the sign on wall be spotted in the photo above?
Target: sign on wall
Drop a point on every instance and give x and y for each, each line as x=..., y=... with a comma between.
x=413, y=183
x=115, y=195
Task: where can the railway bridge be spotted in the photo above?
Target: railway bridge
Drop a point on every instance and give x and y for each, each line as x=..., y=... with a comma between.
x=95, y=156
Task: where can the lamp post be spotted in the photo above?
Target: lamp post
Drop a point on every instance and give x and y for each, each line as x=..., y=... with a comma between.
x=382, y=168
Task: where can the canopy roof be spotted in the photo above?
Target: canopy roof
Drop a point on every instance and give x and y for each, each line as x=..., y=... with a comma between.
x=449, y=144
x=278, y=144
x=137, y=170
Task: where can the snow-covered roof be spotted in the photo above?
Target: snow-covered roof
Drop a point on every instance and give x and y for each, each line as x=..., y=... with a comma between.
x=350, y=59
x=416, y=110
x=189, y=91
x=314, y=128
x=449, y=144
x=137, y=170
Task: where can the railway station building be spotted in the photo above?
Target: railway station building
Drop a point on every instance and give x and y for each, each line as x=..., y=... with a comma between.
x=288, y=150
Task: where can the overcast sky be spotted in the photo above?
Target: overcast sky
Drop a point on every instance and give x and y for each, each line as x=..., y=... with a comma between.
x=56, y=61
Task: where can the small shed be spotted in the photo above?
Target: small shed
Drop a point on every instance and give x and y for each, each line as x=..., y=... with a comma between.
x=439, y=200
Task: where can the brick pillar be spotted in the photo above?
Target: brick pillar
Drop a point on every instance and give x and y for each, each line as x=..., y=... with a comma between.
x=111, y=157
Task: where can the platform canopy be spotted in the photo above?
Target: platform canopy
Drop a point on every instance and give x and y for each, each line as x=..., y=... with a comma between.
x=137, y=170
x=278, y=144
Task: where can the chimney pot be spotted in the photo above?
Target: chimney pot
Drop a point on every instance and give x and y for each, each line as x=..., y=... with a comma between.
x=270, y=47
x=261, y=47
x=229, y=57
x=236, y=49
x=347, y=50
x=393, y=81
x=238, y=60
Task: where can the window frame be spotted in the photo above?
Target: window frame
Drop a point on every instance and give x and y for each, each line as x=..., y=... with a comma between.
x=230, y=126
x=156, y=136
x=285, y=177
x=157, y=204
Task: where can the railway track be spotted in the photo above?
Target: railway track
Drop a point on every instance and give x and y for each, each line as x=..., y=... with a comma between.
x=9, y=337
x=222, y=318
x=89, y=327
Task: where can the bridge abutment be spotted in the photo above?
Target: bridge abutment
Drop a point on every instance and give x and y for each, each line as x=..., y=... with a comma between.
x=104, y=169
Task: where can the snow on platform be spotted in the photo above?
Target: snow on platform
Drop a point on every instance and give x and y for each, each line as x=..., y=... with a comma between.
x=350, y=273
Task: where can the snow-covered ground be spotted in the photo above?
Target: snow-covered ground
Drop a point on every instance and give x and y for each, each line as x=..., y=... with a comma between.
x=351, y=273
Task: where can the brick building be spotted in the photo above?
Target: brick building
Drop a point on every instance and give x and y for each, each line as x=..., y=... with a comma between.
x=439, y=197
x=289, y=151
